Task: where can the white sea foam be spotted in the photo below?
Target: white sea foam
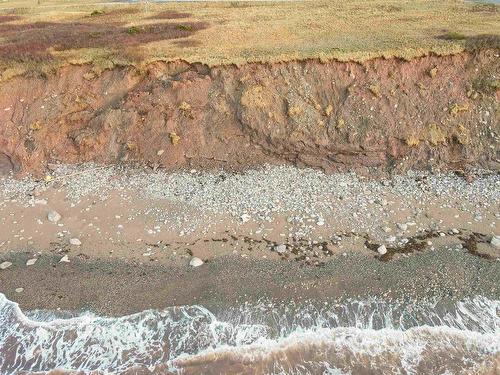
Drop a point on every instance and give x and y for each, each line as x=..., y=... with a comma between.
x=337, y=339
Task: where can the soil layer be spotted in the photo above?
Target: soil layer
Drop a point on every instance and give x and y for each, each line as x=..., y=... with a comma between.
x=381, y=114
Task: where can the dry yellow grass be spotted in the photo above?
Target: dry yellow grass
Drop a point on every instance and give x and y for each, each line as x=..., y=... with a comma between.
x=240, y=32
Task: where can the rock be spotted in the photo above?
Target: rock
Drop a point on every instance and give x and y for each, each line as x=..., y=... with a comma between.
x=382, y=250
x=391, y=239
x=64, y=259
x=174, y=138
x=280, y=249
x=5, y=265
x=320, y=222
x=53, y=216
x=19, y=290
x=160, y=152
x=245, y=217
x=31, y=262
x=495, y=241
x=75, y=242
x=402, y=226
x=195, y=262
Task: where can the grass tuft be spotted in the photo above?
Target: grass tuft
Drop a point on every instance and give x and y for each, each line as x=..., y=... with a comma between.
x=185, y=27
x=133, y=30
x=96, y=12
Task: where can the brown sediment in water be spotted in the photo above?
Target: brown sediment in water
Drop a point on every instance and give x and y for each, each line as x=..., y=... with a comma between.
x=383, y=114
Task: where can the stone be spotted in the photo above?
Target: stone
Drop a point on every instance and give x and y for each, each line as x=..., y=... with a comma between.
x=160, y=152
x=495, y=241
x=382, y=250
x=402, y=226
x=5, y=265
x=64, y=259
x=75, y=242
x=53, y=216
x=280, y=249
x=19, y=290
x=391, y=239
x=31, y=262
x=245, y=217
x=195, y=262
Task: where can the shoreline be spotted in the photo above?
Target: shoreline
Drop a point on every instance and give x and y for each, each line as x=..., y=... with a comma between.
x=277, y=233
x=117, y=288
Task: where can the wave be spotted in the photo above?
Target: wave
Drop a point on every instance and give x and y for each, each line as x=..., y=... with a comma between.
x=358, y=337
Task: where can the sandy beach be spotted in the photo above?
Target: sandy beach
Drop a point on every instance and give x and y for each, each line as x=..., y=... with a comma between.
x=128, y=237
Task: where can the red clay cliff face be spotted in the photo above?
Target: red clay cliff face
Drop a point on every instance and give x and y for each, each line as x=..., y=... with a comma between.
x=382, y=115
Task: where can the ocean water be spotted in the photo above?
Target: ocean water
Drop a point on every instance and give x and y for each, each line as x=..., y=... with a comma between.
x=354, y=337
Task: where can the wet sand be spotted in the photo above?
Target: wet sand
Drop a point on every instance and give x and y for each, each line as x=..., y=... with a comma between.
x=121, y=288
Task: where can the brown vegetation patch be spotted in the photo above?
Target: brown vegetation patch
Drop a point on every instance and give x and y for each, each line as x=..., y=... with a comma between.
x=485, y=7
x=114, y=13
x=169, y=15
x=28, y=41
x=483, y=41
x=187, y=43
x=476, y=42
x=8, y=18
x=389, y=8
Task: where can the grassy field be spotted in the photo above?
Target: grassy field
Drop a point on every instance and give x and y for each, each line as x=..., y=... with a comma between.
x=47, y=33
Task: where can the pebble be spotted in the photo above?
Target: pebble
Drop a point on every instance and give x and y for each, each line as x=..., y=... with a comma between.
x=391, y=239
x=382, y=250
x=53, y=216
x=495, y=241
x=64, y=259
x=19, y=290
x=31, y=262
x=75, y=242
x=402, y=226
x=280, y=249
x=5, y=265
x=195, y=262
x=245, y=217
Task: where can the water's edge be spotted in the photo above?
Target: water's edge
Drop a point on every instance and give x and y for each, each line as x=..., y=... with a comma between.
x=353, y=337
